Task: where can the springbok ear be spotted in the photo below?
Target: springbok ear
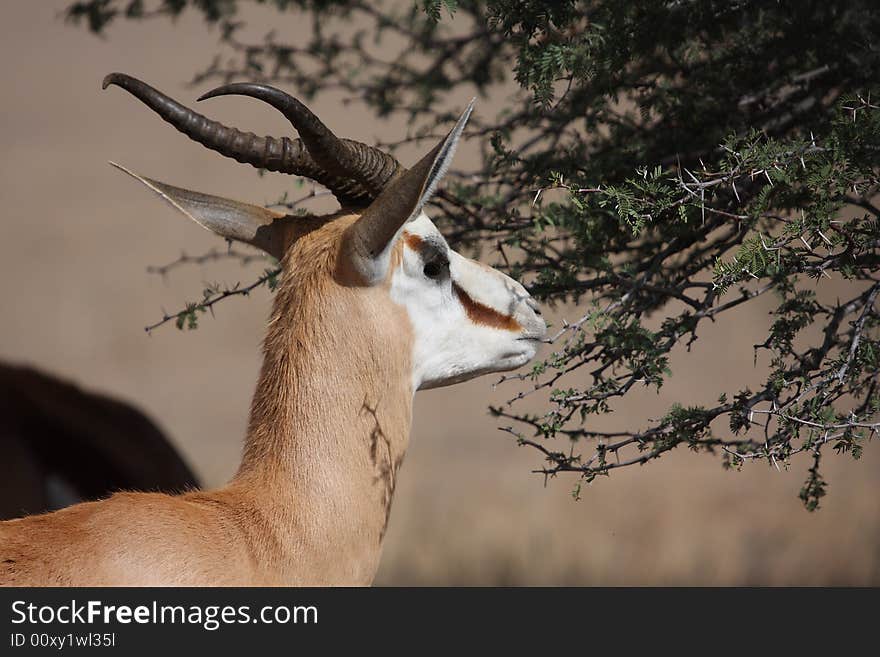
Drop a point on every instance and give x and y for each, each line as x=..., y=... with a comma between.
x=233, y=220
x=369, y=240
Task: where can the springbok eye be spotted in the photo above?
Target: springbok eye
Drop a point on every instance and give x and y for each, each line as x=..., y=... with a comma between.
x=436, y=268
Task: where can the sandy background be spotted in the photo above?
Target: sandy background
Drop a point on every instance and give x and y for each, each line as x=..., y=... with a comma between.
x=77, y=238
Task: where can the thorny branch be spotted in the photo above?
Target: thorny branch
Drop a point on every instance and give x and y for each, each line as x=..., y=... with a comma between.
x=212, y=295
x=759, y=137
x=214, y=255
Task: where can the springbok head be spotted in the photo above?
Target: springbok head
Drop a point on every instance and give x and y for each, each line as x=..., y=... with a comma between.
x=465, y=318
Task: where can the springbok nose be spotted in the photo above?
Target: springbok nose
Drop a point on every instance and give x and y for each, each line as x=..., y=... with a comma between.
x=531, y=303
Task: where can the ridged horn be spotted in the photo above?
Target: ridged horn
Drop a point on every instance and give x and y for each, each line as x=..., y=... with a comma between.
x=371, y=167
x=283, y=155
x=369, y=239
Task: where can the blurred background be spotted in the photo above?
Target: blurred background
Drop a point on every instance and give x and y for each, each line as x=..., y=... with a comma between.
x=78, y=237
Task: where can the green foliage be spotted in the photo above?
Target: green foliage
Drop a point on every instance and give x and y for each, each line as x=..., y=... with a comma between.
x=814, y=487
x=433, y=8
x=661, y=164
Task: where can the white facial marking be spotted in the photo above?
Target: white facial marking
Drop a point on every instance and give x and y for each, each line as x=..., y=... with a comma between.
x=468, y=319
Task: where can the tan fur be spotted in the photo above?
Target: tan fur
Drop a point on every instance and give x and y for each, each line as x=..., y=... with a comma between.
x=328, y=429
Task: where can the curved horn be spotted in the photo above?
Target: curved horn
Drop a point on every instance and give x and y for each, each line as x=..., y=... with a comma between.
x=370, y=166
x=283, y=155
x=369, y=239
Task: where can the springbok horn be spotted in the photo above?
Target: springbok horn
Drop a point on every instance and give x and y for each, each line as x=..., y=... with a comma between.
x=369, y=239
x=370, y=166
x=283, y=155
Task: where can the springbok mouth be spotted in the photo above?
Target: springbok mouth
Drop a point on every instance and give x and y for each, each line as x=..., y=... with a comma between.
x=514, y=360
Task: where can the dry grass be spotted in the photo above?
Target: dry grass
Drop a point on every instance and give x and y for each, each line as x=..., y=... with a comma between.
x=682, y=521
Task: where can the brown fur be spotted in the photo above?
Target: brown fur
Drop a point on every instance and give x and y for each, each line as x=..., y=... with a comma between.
x=413, y=241
x=309, y=504
x=479, y=313
x=53, y=430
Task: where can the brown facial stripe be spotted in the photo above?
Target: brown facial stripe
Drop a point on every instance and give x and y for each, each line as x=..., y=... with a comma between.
x=428, y=249
x=480, y=314
x=413, y=241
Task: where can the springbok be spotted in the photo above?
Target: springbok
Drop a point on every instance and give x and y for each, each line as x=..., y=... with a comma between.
x=372, y=305
x=62, y=444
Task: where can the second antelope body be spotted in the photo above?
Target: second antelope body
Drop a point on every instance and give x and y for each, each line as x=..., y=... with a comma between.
x=372, y=305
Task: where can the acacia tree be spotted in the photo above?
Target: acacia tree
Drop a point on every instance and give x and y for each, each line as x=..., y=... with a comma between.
x=702, y=153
